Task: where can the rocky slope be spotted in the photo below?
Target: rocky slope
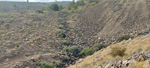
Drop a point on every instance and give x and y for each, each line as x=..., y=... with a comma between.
x=109, y=19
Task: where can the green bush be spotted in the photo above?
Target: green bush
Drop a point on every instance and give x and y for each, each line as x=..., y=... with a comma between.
x=64, y=58
x=117, y=51
x=86, y=52
x=58, y=63
x=92, y=3
x=99, y=46
x=45, y=65
x=125, y=37
x=61, y=34
x=74, y=50
x=63, y=22
x=39, y=11
x=54, y=7
x=65, y=42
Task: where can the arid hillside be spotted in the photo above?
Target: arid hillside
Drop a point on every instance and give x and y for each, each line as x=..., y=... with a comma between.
x=31, y=39
x=25, y=36
x=137, y=55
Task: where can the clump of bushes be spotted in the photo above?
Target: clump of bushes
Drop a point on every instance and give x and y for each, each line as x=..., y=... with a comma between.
x=99, y=46
x=73, y=50
x=74, y=5
x=61, y=34
x=74, y=10
x=117, y=51
x=65, y=42
x=91, y=1
x=45, y=65
x=124, y=37
x=86, y=52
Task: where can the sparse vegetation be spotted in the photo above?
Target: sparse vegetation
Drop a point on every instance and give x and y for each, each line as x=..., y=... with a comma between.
x=39, y=36
x=124, y=37
x=117, y=51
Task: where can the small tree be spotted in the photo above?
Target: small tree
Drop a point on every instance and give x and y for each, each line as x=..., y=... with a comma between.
x=61, y=7
x=54, y=7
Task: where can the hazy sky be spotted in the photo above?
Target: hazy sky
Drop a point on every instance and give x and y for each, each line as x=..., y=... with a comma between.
x=37, y=0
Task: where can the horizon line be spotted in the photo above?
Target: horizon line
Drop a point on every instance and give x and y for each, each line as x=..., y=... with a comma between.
x=35, y=2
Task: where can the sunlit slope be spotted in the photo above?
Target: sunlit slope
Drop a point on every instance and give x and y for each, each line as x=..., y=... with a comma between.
x=98, y=58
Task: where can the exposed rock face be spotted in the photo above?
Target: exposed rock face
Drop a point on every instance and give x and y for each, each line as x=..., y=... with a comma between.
x=130, y=62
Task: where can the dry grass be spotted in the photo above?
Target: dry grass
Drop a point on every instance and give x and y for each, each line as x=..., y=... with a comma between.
x=139, y=65
x=103, y=55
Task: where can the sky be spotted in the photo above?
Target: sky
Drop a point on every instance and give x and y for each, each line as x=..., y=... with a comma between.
x=37, y=0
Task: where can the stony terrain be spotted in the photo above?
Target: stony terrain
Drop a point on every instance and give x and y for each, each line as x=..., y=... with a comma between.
x=109, y=19
x=30, y=37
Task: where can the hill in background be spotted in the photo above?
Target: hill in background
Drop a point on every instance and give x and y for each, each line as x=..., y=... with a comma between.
x=25, y=6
